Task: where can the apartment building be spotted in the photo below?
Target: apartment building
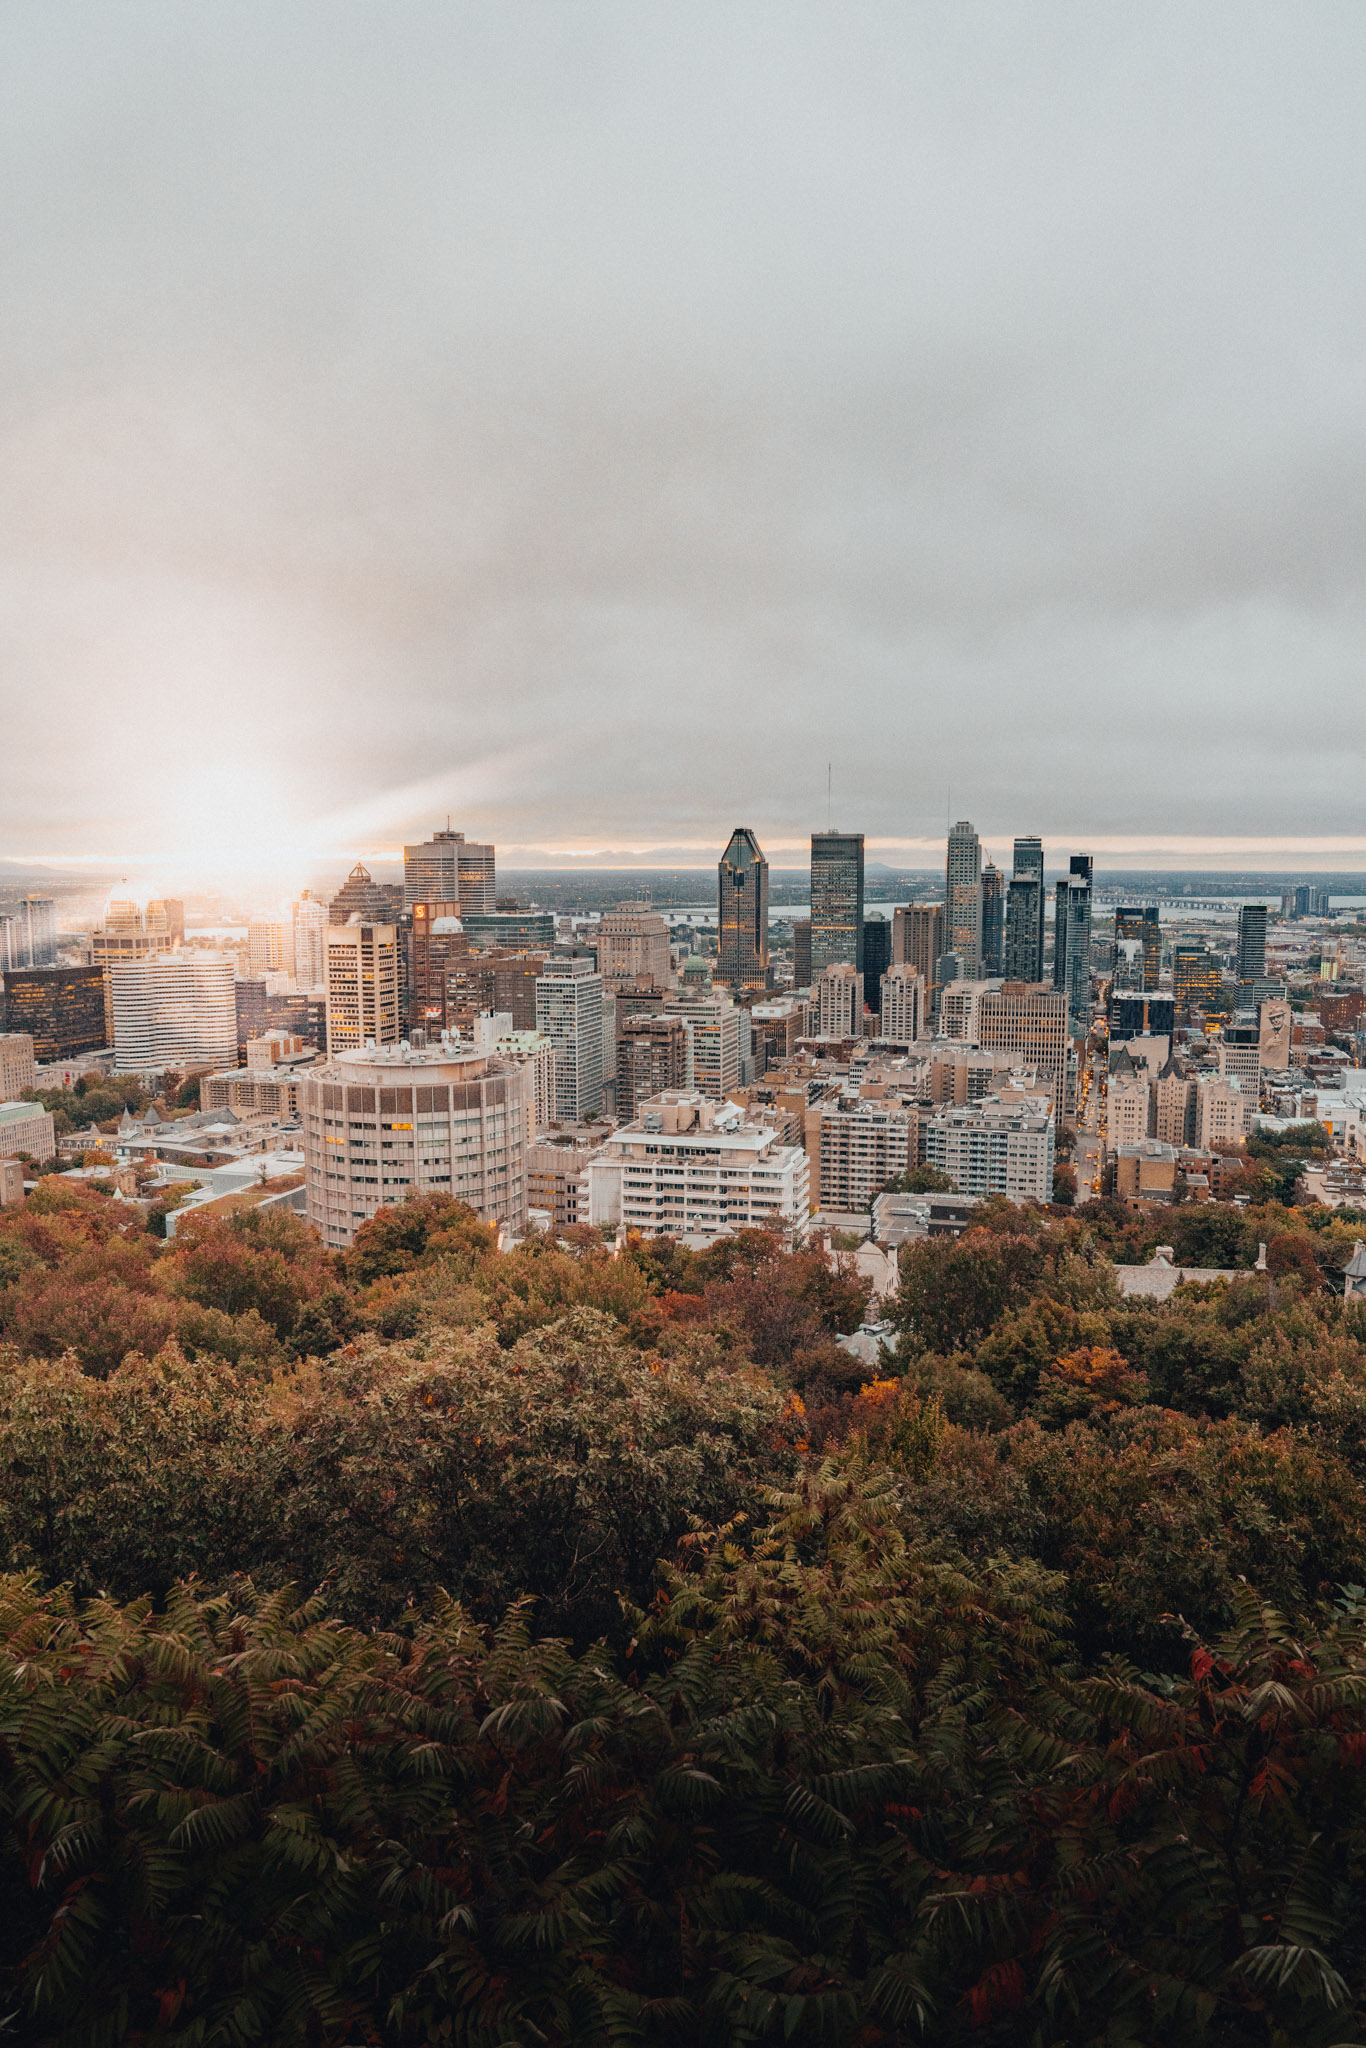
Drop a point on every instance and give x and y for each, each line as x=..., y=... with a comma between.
x=690, y=1164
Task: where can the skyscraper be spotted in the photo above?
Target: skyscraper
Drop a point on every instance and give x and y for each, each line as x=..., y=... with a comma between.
x=569, y=998
x=1252, y=942
x=742, y=890
x=877, y=957
x=308, y=933
x=836, y=900
x=362, y=986
x=1024, y=921
x=448, y=868
x=1072, y=943
x=918, y=940
x=361, y=896
x=963, y=898
x=993, y=919
x=1138, y=948
x=29, y=937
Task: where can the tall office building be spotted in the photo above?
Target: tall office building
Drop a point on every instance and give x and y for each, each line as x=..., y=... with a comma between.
x=436, y=945
x=569, y=1002
x=1024, y=920
x=742, y=903
x=632, y=944
x=308, y=937
x=361, y=896
x=268, y=944
x=362, y=986
x=448, y=868
x=1138, y=948
x=176, y=1010
x=1197, y=978
x=61, y=1008
x=836, y=900
x=801, y=952
x=652, y=1054
x=918, y=940
x=1072, y=943
x=1030, y=1021
x=28, y=932
x=877, y=956
x=963, y=899
x=1252, y=942
x=715, y=1024
x=993, y=919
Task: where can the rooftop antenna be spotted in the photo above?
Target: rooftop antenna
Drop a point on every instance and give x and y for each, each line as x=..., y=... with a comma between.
x=829, y=783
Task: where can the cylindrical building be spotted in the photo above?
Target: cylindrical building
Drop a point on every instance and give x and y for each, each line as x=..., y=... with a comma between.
x=382, y=1121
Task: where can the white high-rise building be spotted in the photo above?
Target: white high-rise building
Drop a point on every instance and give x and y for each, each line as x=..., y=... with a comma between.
x=963, y=899
x=715, y=1024
x=569, y=1013
x=269, y=941
x=308, y=930
x=177, y=1010
x=362, y=986
x=903, y=1004
x=837, y=1002
x=382, y=1123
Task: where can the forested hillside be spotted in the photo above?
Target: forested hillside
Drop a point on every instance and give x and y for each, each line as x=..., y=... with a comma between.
x=563, y=1647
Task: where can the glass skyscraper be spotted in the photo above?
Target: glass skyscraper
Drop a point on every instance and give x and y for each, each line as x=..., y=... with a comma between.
x=742, y=904
x=836, y=900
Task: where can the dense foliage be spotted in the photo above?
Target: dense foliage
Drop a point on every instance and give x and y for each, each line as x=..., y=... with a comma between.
x=672, y=1675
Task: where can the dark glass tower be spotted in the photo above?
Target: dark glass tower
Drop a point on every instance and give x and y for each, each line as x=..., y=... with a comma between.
x=877, y=958
x=1252, y=942
x=1138, y=948
x=1024, y=914
x=993, y=919
x=1072, y=943
x=836, y=900
x=742, y=902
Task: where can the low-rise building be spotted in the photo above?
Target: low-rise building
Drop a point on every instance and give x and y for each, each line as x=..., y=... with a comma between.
x=557, y=1177
x=690, y=1164
x=1146, y=1171
x=27, y=1127
x=17, y=1069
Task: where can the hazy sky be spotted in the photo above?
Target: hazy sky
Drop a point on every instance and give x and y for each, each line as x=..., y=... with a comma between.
x=593, y=419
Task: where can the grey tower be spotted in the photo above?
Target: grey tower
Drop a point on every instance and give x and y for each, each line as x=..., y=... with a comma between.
x=963, y=898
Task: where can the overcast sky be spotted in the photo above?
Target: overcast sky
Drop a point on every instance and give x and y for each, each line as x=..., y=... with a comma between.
x=592, y=420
